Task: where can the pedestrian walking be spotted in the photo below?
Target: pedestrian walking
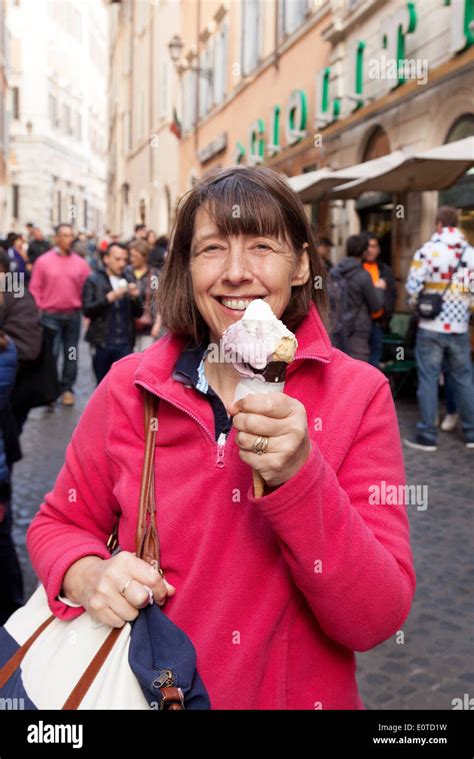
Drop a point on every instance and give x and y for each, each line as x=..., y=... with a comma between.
x=11, y=582
x=354, y=298
x=56, y=284
x=20, y=319
x=111, y=300
x=378, y=271
x=147, y=325
x=16, y=254
x=38, y=245
x=276, y=592
x=324, y=250
x=158, y=253
x=441, y=279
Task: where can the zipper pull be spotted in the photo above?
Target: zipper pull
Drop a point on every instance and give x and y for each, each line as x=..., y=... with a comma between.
x=165, y=680
x=220, y=450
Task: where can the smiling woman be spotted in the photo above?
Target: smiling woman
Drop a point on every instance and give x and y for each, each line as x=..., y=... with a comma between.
x=285, y=586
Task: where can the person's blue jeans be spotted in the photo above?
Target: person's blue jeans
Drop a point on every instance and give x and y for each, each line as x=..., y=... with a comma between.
x=103, y=358
x=376, y=344
x=449, y=392
x=66, y=327
x=432, y=348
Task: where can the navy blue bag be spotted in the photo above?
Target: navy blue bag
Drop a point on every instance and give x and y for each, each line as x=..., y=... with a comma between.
x=160, y=672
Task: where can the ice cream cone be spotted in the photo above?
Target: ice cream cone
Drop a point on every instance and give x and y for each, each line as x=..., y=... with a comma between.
x=258, y=483
x=265, y=369
x=286, y=350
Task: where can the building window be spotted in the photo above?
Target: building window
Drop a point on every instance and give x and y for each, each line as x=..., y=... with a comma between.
x=141, y=116
x=15, y=201
x=16, y=102
x=67, y=119
x=164, y=89
x=189, y=100
x=126, y=134
x=84, y=212
x=205, y=89
x=220, y=65
x=250, y=39
x=53, y=111
x=291, y=14
x=78, y=127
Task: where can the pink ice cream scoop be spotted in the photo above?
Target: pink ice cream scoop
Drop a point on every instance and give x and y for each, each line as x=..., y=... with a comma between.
x=250, y=344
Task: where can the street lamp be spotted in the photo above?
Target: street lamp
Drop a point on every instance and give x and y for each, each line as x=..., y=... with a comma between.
x=175, y=47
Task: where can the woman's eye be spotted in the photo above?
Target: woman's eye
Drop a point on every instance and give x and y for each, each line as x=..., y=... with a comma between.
x=210, y=248
x=263, y=245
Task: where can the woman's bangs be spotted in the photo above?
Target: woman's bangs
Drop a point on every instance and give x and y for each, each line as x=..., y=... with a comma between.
x=241, y=207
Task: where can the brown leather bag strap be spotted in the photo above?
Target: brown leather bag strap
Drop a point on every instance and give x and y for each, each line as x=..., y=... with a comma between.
x=85, y=681
x=147, y=541
x=10, y=667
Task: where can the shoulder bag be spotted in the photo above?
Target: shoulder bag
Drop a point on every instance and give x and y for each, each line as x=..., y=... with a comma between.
x=49, y=663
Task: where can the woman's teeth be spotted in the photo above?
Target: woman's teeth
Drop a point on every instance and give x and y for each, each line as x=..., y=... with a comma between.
x=236, y=305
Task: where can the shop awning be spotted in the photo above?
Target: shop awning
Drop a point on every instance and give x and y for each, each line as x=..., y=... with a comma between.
x=435, y=169
x=315, y=185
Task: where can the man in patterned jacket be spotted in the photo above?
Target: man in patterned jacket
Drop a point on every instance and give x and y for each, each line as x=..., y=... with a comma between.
x=445, y=338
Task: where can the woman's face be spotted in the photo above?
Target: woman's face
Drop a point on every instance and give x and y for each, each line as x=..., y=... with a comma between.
x=136, y=259
x=228, y=272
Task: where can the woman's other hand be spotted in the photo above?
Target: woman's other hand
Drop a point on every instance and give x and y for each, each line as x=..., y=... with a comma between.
x=283, y=420
x=97, y=584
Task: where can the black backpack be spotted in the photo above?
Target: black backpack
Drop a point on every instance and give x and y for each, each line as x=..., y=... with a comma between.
x=341, y=317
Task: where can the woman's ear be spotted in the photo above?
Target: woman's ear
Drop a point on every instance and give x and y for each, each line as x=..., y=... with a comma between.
x=301, y=272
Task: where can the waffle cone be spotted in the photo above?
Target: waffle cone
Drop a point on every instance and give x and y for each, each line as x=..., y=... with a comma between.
x=285, y=350
x=258, y=483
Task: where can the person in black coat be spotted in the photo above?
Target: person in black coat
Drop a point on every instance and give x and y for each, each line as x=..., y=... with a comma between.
x=111, y=300
x=379, y=271
x=11, y=582
x=358, y=299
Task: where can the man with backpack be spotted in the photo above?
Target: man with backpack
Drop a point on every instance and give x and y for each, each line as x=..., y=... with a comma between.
x=354, y=298
x=441, y=281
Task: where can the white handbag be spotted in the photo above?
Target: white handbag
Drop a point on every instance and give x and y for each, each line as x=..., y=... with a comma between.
x=48, y=663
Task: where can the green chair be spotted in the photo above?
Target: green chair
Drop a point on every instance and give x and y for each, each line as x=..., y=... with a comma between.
x=398, y=363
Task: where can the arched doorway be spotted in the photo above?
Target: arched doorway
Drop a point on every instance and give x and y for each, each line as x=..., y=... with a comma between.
x=375, y=209
x=461, y=195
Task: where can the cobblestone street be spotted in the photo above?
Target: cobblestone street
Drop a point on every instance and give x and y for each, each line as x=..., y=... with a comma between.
x=435, y=663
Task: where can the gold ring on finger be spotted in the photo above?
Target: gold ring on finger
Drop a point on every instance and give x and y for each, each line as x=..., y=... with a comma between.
x=261, y=444
x=122, y=592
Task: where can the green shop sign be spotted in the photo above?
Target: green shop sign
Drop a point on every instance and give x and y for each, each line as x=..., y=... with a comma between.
x=391, y=65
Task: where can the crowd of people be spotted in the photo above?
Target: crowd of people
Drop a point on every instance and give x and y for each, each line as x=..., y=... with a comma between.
x=363, y=296
x=71, y=282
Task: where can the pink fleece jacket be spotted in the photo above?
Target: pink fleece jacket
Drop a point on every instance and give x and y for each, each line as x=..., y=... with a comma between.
x=276, y=593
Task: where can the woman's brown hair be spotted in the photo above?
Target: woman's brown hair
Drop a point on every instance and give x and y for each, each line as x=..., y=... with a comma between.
x=141, y=247
x=244, y=200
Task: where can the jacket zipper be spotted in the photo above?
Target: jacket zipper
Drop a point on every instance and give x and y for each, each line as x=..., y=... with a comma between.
x=221, y=450
x=165, y=680
x=222, y=437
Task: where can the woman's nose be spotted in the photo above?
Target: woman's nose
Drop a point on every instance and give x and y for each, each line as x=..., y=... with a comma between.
x=236, y=268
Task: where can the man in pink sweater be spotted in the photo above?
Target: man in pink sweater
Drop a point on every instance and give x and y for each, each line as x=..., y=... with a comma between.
x=56, y=285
